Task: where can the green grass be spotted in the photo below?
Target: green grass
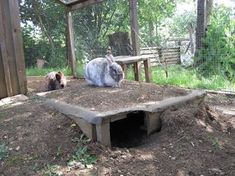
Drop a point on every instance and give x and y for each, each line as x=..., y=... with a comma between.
x=177, y=75
x=83, y=154
x=188, y=78
x=3, y=151
x=33, y=71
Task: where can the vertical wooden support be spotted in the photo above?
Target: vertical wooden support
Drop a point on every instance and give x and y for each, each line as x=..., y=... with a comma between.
x=103, y=134
x=147, y=70
x=12, y=64
x=134, y=27
x=70, y=44
x=137, y=70
x=87, y=128
x=201, y=23
x=152, y=122
x=124, y=68
x=191, y=38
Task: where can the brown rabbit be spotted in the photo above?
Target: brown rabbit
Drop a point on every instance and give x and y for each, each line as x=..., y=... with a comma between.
x=55, y=80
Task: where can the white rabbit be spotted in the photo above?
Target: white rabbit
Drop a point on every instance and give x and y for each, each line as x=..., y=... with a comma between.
x=104, y=72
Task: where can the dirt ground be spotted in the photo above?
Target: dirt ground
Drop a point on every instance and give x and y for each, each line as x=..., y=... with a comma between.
x=193, y=141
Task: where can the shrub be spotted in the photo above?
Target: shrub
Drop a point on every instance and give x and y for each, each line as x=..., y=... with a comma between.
x=218, y=55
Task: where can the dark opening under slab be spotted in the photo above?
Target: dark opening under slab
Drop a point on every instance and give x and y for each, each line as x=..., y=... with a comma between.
x=130, y=131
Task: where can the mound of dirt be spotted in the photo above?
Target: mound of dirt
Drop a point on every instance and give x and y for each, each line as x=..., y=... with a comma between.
x=192, y=141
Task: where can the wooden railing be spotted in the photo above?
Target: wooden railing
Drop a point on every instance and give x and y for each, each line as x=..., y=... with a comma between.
x=162, y=55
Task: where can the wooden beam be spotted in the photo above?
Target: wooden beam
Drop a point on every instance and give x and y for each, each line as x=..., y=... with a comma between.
x=71, y=48
x=134, y=27
x=84, y=4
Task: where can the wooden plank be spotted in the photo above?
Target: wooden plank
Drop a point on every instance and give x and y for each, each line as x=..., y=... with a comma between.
x=92, y=117
x=71, y=47
x=84, y=4
x=18, y=47
x=4, y=28
x=103, y=134
x=152, y=122
x=134, y=27
x=12, y=48
x=3, y=88
x=87, y=128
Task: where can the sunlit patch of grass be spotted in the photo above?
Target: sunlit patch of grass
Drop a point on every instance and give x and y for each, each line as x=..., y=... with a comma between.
x=177, y=75
x=185, y=77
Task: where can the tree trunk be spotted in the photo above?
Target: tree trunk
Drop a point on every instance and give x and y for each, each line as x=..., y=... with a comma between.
x=134, y=27
x=209, y=6
x=201, y=23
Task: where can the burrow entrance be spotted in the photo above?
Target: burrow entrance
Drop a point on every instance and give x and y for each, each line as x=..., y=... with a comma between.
x=130, y=131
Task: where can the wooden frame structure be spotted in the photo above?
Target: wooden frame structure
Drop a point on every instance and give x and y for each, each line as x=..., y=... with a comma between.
x=12, y=64
x=72, y=5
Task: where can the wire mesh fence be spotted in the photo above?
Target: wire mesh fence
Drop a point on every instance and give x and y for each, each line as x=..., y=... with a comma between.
x=166, y=30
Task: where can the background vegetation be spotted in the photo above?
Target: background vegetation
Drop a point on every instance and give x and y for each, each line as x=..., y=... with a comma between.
x=44, y=33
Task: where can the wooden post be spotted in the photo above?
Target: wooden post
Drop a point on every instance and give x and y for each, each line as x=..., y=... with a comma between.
x=103, y=134
x=201, y=23
x=70, y=44
x=12, y=64
x=134, y=27
x=137, y=72
x=147, y=70
x=191, y=37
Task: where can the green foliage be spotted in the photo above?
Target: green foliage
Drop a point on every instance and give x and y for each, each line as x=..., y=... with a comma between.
x=83, y=154
x=43, y=26
x=151, y=14
x=3, y=151
x=180, y=24
x=51, y=170
x=218, y=56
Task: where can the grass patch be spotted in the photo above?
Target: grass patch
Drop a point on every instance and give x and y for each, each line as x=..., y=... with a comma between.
x=177, y=75
x=83, y=154
x=2, y=114
x=33, y=71
x=187, y=78
x=51, y=170
x=3, y=151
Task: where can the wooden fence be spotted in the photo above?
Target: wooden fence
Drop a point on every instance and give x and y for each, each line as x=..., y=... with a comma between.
x=12, y=65
x=162, y=55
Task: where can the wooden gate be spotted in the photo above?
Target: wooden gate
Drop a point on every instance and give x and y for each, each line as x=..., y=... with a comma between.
x=12, y=65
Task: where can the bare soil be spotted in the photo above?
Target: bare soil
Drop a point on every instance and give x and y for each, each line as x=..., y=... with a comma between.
x=192, y=141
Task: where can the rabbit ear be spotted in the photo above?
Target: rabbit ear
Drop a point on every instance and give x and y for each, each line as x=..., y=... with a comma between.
x=58, y=76
x=110, y=58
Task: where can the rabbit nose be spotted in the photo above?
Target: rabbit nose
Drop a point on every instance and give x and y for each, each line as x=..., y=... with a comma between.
x=62, y=85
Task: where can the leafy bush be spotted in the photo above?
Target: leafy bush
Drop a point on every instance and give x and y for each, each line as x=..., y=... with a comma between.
x=218, y=55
